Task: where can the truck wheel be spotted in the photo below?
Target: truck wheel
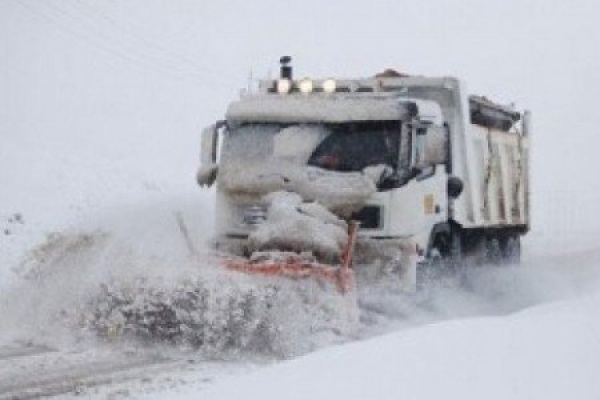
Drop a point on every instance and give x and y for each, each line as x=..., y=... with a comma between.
x=444, y=259
x=455, y=256
x=512, y=250
x=493, y=251
x=436, y=260
x=430, y=267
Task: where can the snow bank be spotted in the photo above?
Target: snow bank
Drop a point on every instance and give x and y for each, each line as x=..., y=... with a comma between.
x=547, y=352
x=232, y=315
x=81, y=286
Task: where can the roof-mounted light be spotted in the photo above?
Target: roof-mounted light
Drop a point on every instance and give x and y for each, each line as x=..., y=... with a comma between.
x=329, y=86
x=305, y=86
x=284, y=86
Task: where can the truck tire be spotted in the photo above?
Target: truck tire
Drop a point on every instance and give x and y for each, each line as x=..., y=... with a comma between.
x=429, y=270
x=455, y=255
x=444, y=258
x=493, y=250
x=511, y=250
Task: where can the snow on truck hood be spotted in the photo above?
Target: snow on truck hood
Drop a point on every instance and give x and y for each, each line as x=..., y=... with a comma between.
x=341, y=192
x=325, y=108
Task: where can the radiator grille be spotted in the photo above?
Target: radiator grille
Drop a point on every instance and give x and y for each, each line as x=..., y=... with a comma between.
x=369, y=217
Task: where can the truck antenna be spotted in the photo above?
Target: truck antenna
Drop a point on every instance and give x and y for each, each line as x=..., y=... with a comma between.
x=250, y=81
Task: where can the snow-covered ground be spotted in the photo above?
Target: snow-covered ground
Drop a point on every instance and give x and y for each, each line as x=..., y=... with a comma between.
x=101, y=105
x=546, y=352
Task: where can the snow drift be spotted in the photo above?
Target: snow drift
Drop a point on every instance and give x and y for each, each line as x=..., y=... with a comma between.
x=482, y=358
x=79, y=285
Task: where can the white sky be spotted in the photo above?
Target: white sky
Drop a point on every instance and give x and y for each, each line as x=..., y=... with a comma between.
x=105, y=73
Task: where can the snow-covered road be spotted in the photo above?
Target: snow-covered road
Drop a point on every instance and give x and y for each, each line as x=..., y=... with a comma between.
x=527, y=331
x=29, y=371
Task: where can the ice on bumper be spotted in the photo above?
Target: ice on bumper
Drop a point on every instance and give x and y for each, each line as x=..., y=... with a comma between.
x=300, y=227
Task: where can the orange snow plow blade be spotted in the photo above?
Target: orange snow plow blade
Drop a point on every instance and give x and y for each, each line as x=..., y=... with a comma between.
x=341, y=276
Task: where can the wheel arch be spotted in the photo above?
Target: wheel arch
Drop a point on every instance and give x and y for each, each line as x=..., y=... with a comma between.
x=439, y=231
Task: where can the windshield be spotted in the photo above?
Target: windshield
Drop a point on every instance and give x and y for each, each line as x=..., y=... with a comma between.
x=261, y=142
x=343, y=147
x=352, y=147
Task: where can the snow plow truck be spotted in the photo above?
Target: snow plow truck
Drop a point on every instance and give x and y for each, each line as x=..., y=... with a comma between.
x=393, y=171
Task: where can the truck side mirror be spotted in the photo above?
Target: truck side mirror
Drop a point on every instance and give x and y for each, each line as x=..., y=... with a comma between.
x=431, y=146
x=209, y=145
x=207, y=173
x=454, y=187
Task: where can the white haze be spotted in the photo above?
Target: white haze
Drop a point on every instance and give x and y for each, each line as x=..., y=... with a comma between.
x=101, y=105
x=132, y=81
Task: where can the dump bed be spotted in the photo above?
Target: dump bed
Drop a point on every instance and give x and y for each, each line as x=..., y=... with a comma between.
x=499, y=171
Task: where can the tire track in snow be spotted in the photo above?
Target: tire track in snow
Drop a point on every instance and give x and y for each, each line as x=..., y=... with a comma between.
x=31, y=371
x=12, y=352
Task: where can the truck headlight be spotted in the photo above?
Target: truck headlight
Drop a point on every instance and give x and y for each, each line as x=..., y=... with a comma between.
x=284, y=86
x=305, y=86
x=329, y=86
